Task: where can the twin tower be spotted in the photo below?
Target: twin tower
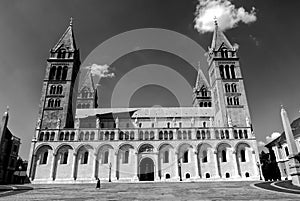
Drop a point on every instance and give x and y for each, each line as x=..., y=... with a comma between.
x=213, y=139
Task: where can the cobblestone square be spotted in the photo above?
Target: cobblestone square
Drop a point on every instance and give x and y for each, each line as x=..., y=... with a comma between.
x=151, y=191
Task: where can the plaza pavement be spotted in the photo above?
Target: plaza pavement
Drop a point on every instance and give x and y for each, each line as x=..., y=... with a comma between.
x=237, y=190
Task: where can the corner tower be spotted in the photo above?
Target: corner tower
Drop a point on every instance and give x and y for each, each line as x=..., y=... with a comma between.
x=57, y=104
x=229, y=97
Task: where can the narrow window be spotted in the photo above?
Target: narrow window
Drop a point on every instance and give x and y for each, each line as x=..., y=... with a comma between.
x=126, y=156
x=224, y=159
x=179, y=135
x=235, y=134
x=160, y=135
x=203, y=134
x=240, y=134
x=227, y=72
x=84, y=157
x=50, y=102
x=168, y=125
x=232, y=71
x=64, y=73
x=166, y=157
x=286, y=151
x=140, y=125
x=243, y=156
x=58, y=73
x=227, y=87
x=198, y=136
x=132, y=135
x=105, y=158
x=59, y=89
x=204, y=124
x=141, y=135
x=226, y=134
x=151, y=135
x=236, y=100
x=64, y=158
x=44, y=158
x=52, y=136
x=52, y=89
x=233, y=88
x=72, y=136
x=165, y=135
x=171, y=135
x=52, y=73
x=61, y=136
x=57, y=103
x=67, y=135
x=221, y=68
x=204, y=156
x=121, y=135
x=112, y=135
x=185, y=157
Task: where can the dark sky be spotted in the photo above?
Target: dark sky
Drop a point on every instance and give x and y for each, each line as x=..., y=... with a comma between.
x=268, y=53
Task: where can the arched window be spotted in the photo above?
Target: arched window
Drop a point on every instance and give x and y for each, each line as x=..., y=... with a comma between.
x=52, y=136
x=201, y=104
x=217, y=134
x=245, y=134
x=229, y=100
x=207, y=175
x=204, y=92
x=184, y=135
x=205, y=104
x=168, y=125
x=243, y=156
x=121, y=135
x=187, y=175
x=286, y=149
x=208, y=134
x=52, y=89
x=52, y=73
x=235, y=134
x=166, y=157
x=223, y=156
x=72, y=136
x=67, y=135
x=227, y=87
x=84, y=157
x=59, y=89
x=221, y=68
x=170, y=135
x=57, y=103
x=209, y=104
x=101, y=135
x=160, y=135
x=179, y=135
x=81, y=136
x=64, y=158
x=92, y=137
x=165, y=135
x=58, y=73
x=203, y=134
x=106, y=135
x=44, y=158
x=126, y=157
x=227, y=72
x=105, y=157
x=147, y=135
x=204, y=156
x=232, y=71
x=226, y=134
x=141, y=135
x=204, y=124
x=47, y=136
x=233, y=87
x=132, y=135
x=61, y=136
x=126, y=135
x=140, y=125
x=222, y=134
x=236, y=100
x=50, y=102
x=151, y=135
x=86, y=136
x=224, y=53
x=64, y=73
x=198, y=136
x=185, y=157
x=240, y=134
x=112, y=135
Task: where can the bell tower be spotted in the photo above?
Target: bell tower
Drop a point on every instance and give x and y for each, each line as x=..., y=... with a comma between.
x=228, y=92
x=58, y=103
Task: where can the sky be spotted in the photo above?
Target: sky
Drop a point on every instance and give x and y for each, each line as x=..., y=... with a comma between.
x=268, y=51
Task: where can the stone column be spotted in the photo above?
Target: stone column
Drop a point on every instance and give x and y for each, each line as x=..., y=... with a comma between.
x=52, y=168
x=216, y=163
x=177, y=176
x=197, y=168
x=235, y=164
x=294, y=164
x=32, y=159
x=135, y=167
x=156, y=169
x=74, y=166
x=114, y=166
x=94, y=173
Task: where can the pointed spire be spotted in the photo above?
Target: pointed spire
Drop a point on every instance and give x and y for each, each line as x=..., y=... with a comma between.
x=88, y=82
x=201, y=80
x=67, y=40
x=288, y=132
x=219, y=38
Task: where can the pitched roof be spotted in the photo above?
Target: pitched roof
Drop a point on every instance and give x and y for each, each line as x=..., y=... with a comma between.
x=200, y=80
x=219, y=39
x=67, y=40
x=88, y=82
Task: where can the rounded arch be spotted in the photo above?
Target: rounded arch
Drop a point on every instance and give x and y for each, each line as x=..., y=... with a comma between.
x=241, y=144
x=124, y=145
x=203, y=145
x=182, y=145
x=223, y=144
x=103, y=145
x=144, y=144
x=41, y=146
x=61, y=146
x=77, y=149
x=163, y=144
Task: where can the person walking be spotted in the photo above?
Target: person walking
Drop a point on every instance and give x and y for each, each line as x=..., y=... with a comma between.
x=98, y=183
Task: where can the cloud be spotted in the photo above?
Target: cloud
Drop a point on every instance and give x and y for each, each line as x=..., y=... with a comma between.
x=101, y=70
x=272, y=137
x=227, y=15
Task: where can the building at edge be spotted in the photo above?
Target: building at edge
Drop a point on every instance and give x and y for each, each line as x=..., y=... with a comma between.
x=210, y=140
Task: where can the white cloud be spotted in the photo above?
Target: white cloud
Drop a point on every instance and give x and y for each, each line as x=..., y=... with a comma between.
x=100, y=70
x=272, y=137
x=227, y=15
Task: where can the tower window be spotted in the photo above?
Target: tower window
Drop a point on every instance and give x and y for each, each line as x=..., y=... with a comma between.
x=57, y=103
x=58, y=73
x=233, y=88
x=232, y=71
x=227, y=87
x=166, y=157
x=227, y=72
x=126, y=157
x=44, y=158
x=141, y=135
x=84, y=157
x=59, y=89
x=221, y=68
x=52, y=73
x=105, y=158
x=286, y=151
x=236, y=100
x=50, y=102
x=64, y=73
x=52, y=89
x=64, y=158
x=229, y=100
x=204, y=156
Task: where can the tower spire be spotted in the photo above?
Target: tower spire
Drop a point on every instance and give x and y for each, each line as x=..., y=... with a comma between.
x=67, y=40
x=219, y=39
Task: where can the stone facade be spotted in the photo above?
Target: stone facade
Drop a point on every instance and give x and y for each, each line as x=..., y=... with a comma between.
x=211, y=140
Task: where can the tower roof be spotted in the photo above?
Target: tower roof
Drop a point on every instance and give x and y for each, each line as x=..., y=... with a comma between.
x=219, y=39
x=67, y=40
x=88, y=82
x=201, y=80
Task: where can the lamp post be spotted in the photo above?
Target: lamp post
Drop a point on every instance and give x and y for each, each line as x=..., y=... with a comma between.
x=258, y=166
x=109, y=176
x=20, y=168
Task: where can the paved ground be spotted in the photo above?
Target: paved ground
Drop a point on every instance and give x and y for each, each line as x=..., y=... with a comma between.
x=151, y=191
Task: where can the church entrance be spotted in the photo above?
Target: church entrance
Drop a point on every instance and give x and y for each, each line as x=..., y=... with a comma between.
x=146, y=172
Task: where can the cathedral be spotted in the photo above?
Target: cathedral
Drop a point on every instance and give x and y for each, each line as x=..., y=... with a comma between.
x=77, y=142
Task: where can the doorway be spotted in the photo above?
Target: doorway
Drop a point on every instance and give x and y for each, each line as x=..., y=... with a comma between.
x=146, y=172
